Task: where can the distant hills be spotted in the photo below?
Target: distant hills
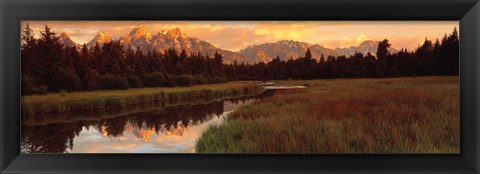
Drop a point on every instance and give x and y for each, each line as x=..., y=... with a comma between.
x=140, y=38
x=365, y=47
x=287, y=49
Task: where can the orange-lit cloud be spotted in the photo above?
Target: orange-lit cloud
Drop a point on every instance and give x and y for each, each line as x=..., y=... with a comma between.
x=235, y=35
x=174, y=139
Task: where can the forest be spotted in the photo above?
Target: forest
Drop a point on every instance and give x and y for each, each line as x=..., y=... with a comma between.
x=49, y=66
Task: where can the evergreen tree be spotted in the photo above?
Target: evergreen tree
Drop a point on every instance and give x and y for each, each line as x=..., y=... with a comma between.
x=47, y=65
x=28, y=51
x=382, y=51
x=308, y=54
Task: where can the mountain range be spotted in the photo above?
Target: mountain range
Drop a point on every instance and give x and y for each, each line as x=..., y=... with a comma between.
x=140, y=38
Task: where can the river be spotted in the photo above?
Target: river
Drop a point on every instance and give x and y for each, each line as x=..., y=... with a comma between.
x=172, y=128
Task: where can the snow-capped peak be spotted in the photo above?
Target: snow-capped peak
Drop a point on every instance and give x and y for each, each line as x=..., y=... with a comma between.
x=175, y=33
x=100, y=38
x=369, y=43
x=65, y=39
x=103, y=36
x=139, y=31
x=64, y=35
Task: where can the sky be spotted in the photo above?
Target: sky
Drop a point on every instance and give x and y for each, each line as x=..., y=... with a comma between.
x=236, y=35
x=176, y=139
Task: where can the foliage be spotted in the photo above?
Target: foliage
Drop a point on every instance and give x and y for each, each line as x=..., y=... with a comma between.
x=135, y=82
x=29, y=87
x=92, y=80
x=110, y=81
x=186, y=80
x=64, y=79
x=155, y=79
x=51, y=64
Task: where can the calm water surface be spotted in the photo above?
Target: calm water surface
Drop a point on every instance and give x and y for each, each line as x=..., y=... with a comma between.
x=170, y=128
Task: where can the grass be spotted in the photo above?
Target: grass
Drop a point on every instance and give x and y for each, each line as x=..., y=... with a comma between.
x=398, y=115
x=117, y=99
x=46, y=119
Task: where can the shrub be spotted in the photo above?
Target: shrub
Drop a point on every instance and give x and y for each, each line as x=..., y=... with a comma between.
x=64, y=78
x=92, y=80
x=203, y=78
x=171, y=80
x=110, y=81
x=29, y=88
x=218, y=79
x=185, y=80
x=155, y=79
x=27, y=84
x=135, y=82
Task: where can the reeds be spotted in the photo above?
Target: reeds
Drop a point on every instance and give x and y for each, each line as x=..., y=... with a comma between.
x=116, y=99
x=402, y=115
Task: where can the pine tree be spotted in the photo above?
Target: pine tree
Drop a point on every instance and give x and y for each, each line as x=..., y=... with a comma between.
x=28, y=53
x=50, y=53
x=308, y=54
x=382, y=50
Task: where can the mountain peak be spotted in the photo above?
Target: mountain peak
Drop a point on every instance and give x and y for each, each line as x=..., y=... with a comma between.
x=292, y=42
x=287, y=41
x=370, y=43
x=64, y=35
x=102, y=35
x=139, y=31
x=65, y=39
x=175, y=33
x=141, y=25
x=367, y=46
x=285, y=49
x=100, y=38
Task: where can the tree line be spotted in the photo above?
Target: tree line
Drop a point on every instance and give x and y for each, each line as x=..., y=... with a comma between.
x=49, y=66
x=439, y=58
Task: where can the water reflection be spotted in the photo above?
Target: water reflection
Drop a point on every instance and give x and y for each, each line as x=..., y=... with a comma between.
x=172, y=128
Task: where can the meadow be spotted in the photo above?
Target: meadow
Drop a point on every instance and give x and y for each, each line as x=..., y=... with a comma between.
x=394, y=115
x=105, y=100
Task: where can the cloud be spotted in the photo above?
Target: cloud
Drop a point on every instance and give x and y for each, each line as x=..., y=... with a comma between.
x=235, y=35
x=361, y=38
x=345, y=41
x=286, y=30
x=177, y=139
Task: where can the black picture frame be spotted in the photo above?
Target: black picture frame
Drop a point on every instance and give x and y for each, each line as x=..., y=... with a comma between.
x=13, y=11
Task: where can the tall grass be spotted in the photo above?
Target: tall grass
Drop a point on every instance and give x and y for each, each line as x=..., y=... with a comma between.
x=402, y=115
x=117, y=99
x=45, y=119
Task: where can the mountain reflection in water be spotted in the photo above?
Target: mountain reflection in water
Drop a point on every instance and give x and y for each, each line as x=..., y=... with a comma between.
x=172, y=129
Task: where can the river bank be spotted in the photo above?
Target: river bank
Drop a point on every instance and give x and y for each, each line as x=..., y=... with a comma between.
x=156, y=128
x=119, y=99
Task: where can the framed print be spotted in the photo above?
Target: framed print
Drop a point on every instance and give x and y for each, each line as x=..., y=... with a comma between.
x=138, y=92
x=239, y=86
